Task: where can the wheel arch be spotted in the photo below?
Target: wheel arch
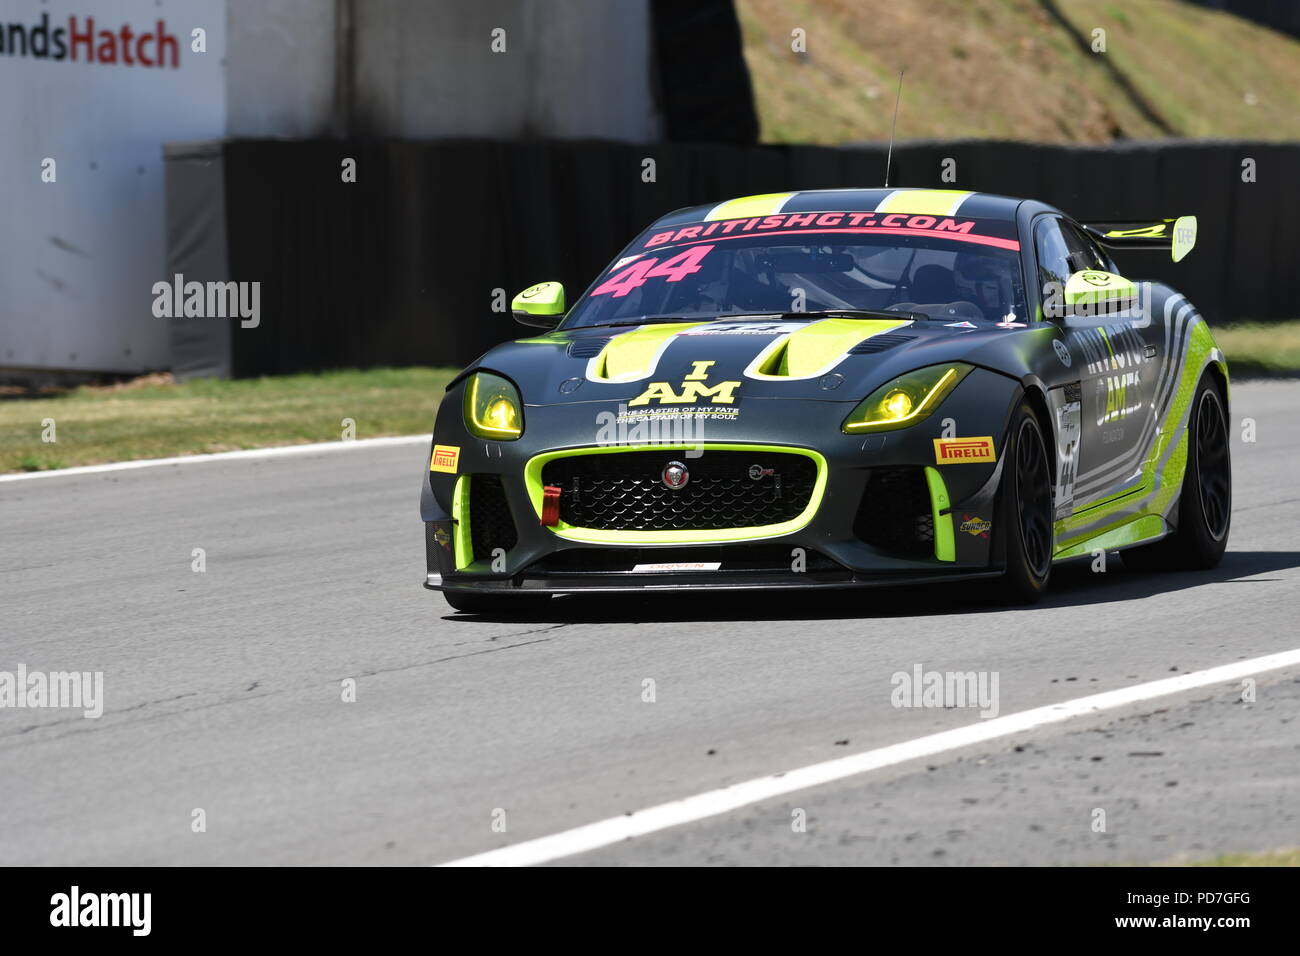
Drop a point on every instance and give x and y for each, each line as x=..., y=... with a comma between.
x=1036, y=398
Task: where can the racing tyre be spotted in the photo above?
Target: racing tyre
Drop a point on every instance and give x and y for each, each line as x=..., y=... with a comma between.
x=1025, y=511
x=1205, y=501
x=506, y=605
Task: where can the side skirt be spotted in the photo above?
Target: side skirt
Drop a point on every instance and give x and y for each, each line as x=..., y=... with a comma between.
x=1141, y=530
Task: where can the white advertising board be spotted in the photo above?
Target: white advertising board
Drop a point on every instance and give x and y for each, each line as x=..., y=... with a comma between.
x=96, y=87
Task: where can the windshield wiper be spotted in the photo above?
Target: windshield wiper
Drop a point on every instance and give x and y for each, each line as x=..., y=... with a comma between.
x=853, y=314
x=820, y=314
x=643, y=320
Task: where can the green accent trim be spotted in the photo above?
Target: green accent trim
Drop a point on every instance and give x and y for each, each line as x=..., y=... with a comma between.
x=1124, y=535
x=633, y=355
x=545, y=298
x=1160, y=484
x=461, y=540
x=945, y=547
x=816, y=348
x=533, y=483
x=1093, y=287
x=1156, y=230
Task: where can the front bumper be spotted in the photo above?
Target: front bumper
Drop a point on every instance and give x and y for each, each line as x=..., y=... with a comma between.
x=609, y=583
x=830, y=547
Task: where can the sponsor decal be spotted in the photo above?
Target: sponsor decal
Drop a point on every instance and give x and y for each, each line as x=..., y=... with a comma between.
x=975, y=525
x=1062, y=352
x=443, y=539
x=446, y=459
x=1118, y=397
x=679, y=566
x=758, y=471
x=961, y=451
x=984, y=232
x=693, y=388
x=1069, y=417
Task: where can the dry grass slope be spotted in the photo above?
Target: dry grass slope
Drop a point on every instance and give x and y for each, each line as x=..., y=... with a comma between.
x=1006, y=69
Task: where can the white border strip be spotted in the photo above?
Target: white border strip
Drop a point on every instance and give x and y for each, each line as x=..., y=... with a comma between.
x=714, y=802
x=279, y=451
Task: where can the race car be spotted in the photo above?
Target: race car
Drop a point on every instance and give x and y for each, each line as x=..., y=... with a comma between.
x=832, y=389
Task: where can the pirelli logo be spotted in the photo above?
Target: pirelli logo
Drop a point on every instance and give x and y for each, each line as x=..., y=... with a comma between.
x=960, y=451
x=446, y=458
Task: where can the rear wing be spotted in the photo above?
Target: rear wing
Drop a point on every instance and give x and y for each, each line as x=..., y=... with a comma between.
x=1178, y=234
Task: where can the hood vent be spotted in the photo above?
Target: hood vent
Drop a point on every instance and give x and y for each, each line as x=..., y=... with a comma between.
x=587, y=348
x=879, y=343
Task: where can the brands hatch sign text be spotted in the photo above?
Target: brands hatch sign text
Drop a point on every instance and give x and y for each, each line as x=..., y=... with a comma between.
x=80, y=41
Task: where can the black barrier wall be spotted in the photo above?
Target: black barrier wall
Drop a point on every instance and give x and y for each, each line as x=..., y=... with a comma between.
x=401, y=267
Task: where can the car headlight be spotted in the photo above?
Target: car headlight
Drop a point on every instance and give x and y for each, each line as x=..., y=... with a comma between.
x=905, y=400
x=493, y=408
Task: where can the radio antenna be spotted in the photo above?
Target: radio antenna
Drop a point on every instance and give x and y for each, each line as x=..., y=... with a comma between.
x=897, y=99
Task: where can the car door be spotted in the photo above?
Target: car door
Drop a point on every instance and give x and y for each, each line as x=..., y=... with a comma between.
x=1115, y=357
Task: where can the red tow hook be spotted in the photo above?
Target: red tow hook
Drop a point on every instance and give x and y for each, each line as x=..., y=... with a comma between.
x=551, y=505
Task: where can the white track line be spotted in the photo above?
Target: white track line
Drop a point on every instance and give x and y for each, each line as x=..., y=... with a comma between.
x=715, y=802
x=279, y=451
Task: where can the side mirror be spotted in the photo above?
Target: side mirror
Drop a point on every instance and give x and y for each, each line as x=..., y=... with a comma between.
x=541, y=305
x=1092, y=292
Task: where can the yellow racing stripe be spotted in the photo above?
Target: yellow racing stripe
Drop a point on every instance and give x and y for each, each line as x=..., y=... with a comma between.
x=633, y=355
x=924, y=202
x=765, y=205
x=816, y=348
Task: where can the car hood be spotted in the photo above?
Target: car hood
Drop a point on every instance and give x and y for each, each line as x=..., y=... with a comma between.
x=828, y=359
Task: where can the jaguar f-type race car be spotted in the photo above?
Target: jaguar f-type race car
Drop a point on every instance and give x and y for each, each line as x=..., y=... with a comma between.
x=831, y=389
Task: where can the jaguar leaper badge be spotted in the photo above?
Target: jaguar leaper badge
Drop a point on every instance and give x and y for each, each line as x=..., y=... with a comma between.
x=675, y=475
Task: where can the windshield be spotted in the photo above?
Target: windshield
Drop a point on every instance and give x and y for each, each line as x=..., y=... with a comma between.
x=944, y=268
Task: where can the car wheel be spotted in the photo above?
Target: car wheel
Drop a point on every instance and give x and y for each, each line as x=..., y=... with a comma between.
x=507, y=605
x=1205, y=501
x=1025, y=511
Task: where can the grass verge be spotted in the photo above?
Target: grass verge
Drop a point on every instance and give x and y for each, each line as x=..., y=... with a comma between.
x=1268, y=349
x=156, y=418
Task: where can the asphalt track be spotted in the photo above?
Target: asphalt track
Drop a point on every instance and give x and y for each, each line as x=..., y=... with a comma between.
x=223, y=690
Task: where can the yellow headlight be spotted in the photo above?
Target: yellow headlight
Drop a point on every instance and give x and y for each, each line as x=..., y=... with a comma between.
x=897, y=404
x=501, y=414
x=493, y=408
x=906, y=400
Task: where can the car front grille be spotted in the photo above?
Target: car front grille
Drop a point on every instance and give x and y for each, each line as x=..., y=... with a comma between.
x=894, y=514
x=490, y=524
x=625, y=491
